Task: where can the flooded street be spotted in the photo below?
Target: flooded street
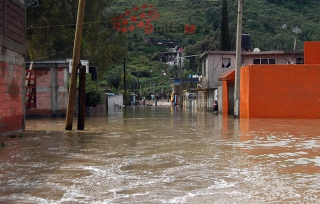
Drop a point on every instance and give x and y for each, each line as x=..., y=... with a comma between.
x=163, y=155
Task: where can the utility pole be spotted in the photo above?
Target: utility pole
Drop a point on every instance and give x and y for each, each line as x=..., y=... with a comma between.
x=137, y=82
x=180, y=83
x=75, y=65
x=124, y=81
x=82, y=98
x=238, y=61
x=283, y=28
x=297, y=31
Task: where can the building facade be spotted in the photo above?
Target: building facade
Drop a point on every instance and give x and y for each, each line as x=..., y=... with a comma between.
x=50, y=81
x=278, y=91
x=12, y=72
x=217, y=63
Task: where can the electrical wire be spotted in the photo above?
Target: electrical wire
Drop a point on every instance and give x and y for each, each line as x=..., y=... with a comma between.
x=73, y=24
x=64, y=25
x=47, y=56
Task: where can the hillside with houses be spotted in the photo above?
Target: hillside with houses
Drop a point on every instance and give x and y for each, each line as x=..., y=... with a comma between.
x=194, y=25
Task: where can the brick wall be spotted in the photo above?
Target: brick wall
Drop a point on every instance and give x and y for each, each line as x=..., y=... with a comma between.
x=2, y=17
x=51, y=91
x=11, y=83
x=15, y=22
x=12, y=25
x=12, y=72
x=62, y=92
x=43, y=89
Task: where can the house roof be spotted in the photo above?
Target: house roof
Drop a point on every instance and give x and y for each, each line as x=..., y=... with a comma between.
x=262, y=53
x=227, y=76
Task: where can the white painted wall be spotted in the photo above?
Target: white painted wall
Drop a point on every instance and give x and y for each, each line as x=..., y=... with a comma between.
x=113, y=100
x=83, y=62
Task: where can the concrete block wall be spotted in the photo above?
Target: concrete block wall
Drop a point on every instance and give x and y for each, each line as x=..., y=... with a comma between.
x=12, y=75
x=43, y=90
x=280, y=91
x=63, y=89
x=12, y=72
x=51, y=91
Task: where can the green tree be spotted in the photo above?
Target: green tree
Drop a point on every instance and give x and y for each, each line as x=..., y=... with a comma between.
x=51, y=30
x=93, y=92
x=129, y=80
x=225, y=37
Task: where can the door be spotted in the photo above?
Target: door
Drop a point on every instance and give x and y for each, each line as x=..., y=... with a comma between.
x=231, y=99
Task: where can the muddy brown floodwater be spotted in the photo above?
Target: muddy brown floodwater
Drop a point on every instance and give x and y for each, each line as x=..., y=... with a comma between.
x=163, y=155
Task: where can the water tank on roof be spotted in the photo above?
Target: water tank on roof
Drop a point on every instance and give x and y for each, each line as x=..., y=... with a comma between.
x=256, y=50
x=246, y=42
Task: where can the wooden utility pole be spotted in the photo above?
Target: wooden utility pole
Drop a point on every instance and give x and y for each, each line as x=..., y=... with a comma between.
x=75, y=65
x=82, y=98
x=180, y=83
x=124, y=82
x=238, y=61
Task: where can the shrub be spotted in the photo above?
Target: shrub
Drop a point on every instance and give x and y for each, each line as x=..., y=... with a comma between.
x=93, y=92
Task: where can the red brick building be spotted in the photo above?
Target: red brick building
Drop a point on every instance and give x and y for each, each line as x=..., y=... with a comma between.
x=12, y=71
x=47, y=95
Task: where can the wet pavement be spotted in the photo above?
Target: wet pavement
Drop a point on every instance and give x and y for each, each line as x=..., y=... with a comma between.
x=163, y=154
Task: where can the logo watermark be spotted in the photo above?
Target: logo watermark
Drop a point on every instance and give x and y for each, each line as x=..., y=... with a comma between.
x=142, y=17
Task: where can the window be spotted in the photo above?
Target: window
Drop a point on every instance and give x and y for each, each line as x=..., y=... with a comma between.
x=272, y=61
x=299, y=60
x=226, y=63
x=256, y=61
x=264, y=61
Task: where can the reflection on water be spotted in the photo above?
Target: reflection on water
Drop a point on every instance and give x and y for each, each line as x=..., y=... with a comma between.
x=163, y=155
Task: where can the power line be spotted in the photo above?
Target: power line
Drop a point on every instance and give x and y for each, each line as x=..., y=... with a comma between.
x=63, y=25
x=73, y=24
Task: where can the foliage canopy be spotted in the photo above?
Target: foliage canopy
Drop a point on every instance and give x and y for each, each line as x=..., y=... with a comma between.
x=51, y=25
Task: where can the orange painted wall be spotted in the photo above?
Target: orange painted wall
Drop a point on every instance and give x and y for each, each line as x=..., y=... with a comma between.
x=280, y=91
x=312, y=52
x=225, y=99
x=244, y=93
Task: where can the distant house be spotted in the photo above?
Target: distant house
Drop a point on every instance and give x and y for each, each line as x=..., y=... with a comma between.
x=216, y=63
x=277, y=91
x=172, y=57
x=12, y=72
x=185, y=82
